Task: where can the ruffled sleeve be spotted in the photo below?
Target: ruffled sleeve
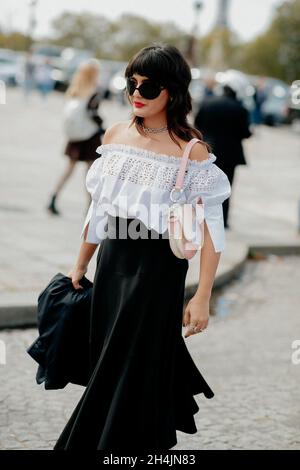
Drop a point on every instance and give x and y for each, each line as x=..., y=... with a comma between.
x=211, y=185
x=93, y=186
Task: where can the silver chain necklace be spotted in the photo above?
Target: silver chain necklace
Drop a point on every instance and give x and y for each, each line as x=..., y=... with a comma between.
x=154, y=130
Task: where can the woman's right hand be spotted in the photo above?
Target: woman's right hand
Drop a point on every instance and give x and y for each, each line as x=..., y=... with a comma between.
x=76, y=274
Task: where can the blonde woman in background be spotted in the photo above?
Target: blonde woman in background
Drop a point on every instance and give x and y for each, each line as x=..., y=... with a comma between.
x=82, y=123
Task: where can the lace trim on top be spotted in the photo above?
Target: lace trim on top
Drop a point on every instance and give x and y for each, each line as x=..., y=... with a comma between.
x=139, y=151
x=141, y=168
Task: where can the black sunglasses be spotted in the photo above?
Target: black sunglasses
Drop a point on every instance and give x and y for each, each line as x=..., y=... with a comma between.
x=148, y=89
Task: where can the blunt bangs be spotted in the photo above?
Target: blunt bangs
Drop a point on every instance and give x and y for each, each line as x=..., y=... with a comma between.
x=152, y=64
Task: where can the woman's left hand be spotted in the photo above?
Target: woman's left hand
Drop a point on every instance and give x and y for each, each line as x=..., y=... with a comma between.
x=196, y=314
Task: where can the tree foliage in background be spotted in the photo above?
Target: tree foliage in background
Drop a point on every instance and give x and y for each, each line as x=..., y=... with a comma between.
x=277, y=51
x=116, y=40
x=15, y=41
x=82, y=31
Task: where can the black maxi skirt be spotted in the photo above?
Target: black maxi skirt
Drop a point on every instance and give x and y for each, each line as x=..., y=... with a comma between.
x=143, y=379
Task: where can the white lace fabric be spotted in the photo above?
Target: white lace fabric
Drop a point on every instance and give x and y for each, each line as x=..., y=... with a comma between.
x=125, y=178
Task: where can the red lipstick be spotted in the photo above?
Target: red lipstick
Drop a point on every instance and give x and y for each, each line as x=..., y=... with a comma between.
x=137, y=104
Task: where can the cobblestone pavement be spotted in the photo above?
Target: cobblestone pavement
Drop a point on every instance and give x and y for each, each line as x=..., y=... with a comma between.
x=245, y=355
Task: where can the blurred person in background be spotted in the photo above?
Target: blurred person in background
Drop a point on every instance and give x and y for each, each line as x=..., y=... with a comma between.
x=29, y=75
x=260, y=95
x=82, y=124
x=209, y=84
x=43, y=78
x=224, y=123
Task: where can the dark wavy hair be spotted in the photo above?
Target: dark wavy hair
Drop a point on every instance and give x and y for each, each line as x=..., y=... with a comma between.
x=165, y=65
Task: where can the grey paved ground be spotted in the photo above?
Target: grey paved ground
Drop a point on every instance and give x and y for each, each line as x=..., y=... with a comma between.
x=245, y=356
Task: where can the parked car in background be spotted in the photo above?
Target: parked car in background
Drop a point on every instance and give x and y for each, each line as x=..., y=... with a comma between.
x=206, y=81
x=49, y=51
x=117, y=84
x=196, y=88
x=64, y=61
x=65, y=65
x=10, y=66
x=40, y=53
x=110, y=72
x=274, y=108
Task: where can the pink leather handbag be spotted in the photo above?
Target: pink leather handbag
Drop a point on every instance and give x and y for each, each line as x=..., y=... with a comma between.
x=184, y=219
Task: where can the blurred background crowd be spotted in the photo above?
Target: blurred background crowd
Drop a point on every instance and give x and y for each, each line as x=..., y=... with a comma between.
x=268, y=64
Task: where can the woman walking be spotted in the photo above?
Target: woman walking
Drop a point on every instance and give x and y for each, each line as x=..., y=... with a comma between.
x=82, y=124
x=143, y=379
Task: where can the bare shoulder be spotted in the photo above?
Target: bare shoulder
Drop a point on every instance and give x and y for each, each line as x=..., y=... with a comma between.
x=112, y=132
x=199, y=152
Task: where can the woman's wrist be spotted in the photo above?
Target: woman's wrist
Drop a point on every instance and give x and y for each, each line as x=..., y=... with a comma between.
x=202, y=295
x=82, y=266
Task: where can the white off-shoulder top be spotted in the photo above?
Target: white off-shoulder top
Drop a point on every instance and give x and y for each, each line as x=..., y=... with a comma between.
x=134, y=182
